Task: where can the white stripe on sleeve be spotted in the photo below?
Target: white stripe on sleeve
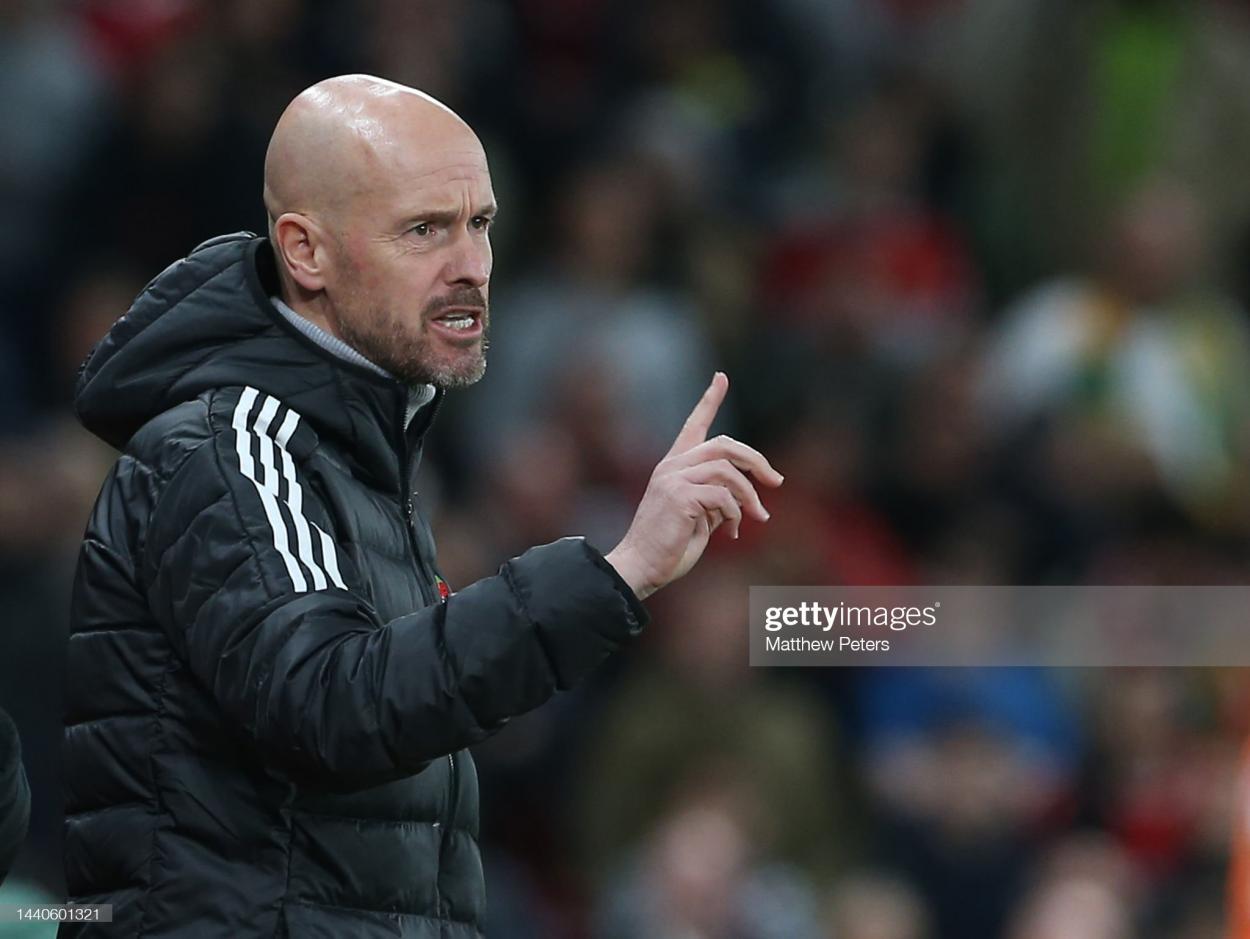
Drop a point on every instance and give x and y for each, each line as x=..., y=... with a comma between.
x=267, y=496
x=331, y=558
x=295, y=500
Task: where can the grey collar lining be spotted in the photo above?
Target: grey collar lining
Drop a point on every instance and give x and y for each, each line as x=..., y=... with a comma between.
x=418, y=396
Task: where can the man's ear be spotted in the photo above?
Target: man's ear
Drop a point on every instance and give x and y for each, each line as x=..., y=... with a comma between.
x=301, y=250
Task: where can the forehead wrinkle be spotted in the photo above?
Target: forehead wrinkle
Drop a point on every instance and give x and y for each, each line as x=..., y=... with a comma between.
x=411, y=153
x=442, y=174
x=442, y=184
x=471, y=154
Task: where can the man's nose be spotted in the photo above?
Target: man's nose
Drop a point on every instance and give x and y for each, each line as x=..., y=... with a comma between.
x=470, y=262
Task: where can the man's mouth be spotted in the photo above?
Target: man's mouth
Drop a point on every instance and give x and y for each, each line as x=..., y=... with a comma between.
x=464, y=323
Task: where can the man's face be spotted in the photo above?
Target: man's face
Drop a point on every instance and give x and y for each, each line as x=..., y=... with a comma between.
x=413, y=262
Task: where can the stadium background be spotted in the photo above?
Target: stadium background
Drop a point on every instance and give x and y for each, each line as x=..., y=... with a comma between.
x=979, y=271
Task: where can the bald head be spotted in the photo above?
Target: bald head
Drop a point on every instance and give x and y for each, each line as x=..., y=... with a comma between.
x=379, y=201
x=339, y=137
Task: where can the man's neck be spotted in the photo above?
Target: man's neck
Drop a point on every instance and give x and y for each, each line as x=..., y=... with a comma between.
x=418, y=396
x=325, y=339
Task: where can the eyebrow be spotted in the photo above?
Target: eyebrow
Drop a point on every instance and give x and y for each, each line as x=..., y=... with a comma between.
x=447, y=216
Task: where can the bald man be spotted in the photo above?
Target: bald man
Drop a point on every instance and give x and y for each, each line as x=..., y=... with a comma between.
x=271, y=687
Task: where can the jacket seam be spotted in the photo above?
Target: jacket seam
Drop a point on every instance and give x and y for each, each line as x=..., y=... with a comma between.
x=444, y=654
x=365, y=820
x=163, y=480
x=535, y=628
x=392, y=555
x=157, y=852
x=516, y=592
x=635, y=612
x=360, y=909
x=115, y=716
x=152, y=468
x=130, y=567
x=160, y=558
x=128, y=628
x=99, y=809
x=279, y=921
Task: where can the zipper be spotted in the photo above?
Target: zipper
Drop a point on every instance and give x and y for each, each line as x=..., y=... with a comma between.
x=453, y=809
x=427, y=597
x=429, y=590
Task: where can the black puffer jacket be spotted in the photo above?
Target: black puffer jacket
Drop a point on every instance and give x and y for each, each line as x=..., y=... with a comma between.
x=268, y=701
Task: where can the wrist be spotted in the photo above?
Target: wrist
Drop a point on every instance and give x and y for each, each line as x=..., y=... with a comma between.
x=632, y=571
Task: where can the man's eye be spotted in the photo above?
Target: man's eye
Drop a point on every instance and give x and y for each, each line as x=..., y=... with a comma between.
x=421, y=230
x=482, y=222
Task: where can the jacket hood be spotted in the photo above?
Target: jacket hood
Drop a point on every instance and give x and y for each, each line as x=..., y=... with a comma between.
x=207, y=322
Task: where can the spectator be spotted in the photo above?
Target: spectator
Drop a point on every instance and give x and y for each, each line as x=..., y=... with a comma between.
x=14, y=796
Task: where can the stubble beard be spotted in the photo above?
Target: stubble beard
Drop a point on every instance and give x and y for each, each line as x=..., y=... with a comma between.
x=407, y=354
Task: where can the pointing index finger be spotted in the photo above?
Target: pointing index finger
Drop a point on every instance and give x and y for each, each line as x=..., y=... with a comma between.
x=694, y=431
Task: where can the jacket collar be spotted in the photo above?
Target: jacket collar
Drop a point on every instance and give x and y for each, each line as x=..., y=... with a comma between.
x=207, y=322
x=367, y=412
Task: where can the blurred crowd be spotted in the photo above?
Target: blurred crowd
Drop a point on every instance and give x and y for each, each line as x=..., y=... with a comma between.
x=979, y=271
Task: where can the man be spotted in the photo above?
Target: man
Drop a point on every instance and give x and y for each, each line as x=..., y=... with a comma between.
x=271, y=688
x=14, y=796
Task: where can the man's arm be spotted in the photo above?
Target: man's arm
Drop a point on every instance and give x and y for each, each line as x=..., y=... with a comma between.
x=305, y=668
x=308, y=671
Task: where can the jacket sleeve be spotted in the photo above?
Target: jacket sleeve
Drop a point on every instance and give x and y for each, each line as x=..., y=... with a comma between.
x=14, y=796
x=301, y=662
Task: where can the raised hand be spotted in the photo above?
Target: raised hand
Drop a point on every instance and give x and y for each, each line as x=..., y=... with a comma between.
x=699, y=485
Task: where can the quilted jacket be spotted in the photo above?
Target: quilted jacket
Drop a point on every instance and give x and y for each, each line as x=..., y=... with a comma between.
x=270, y=692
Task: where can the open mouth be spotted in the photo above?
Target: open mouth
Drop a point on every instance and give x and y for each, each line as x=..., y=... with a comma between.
x=459, y=323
